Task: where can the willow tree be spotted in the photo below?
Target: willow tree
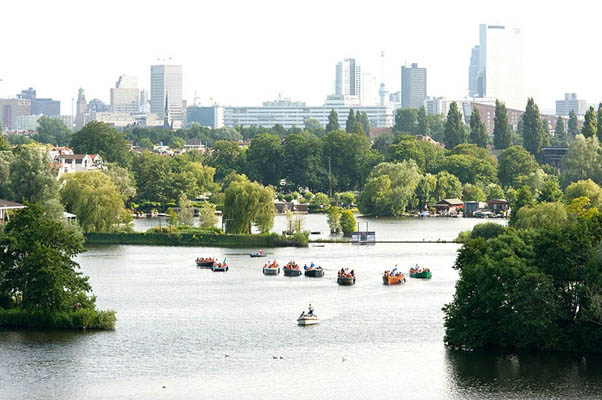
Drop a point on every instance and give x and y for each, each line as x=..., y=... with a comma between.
x=248, y=203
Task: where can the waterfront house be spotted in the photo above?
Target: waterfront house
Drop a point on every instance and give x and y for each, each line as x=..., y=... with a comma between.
x=282, y=207
x=449, y=206
x=499, y=206
x=470, y=207
x=69, y=163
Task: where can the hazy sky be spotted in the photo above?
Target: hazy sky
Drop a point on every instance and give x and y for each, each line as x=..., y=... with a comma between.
x=246, y=52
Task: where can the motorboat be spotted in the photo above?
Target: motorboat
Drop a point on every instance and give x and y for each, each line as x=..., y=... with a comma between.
x=308, y=318
x=271, y=268
x=219, y=267
x=259, y=253
x=204, y=262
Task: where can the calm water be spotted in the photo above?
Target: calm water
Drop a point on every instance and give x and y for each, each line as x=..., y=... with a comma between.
x=177, y=323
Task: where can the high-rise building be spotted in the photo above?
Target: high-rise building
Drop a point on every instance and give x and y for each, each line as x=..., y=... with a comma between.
x=80, y=109
x=166, y=86
x=570, y=103
x=39, y=106
x=369, y=92
x=495, y=66
x=125, y=95
x=10, y=110
x=348, y=80
x=413, y=86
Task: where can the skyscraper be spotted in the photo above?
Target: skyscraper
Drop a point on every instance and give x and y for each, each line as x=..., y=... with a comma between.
x=495, y=69
x=348, y=81
x=80, y=109
x=413, y=86
x=125, y=95
x=166, y=86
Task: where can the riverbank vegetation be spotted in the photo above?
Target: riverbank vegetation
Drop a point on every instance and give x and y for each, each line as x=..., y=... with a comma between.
x=536, y=284
x=40, y=285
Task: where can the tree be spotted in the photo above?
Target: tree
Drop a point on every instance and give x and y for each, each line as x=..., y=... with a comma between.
x=455, y=132
x=486, y=230
x=583, y=161
x=303, y=161
x=6, y=159
x=314, y=126
x=599, y=122
x=265, y=159
x=524, y=198
x=423, y=127
x=350, y=124
x=584, y=188
x=172, y=219
x=344, y=154
x=365, y=122
x=53, y=131
x=550, y=215
x=494, y=191
x=448, y=186
x=334, y=219
x=559, y=131
x=37, y=267
x=473, y=193
x=572, y=124
x=470, y=164
x=247, y=203
x=96, y=201
x=101, y=138
x=590, y=124
x=425, y=191
x=550, y=191
x=4, y=145
x=186, y=212
x=177, y=143
x=405, y=120
x=478, y=130
x=382, y=143
x=427, y=155
x=31, y=177
x=207, y=218
x=123, y=180
x=225, y=157
x=436, y=125
x=533, y=133
x=347, y=222
x=515, y=161
x=501, y=128
x=333, y=122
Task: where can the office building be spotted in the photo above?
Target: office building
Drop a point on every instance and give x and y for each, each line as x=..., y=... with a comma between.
x=125, y=96
x=80, y=109
x=570, y=103
x=436, y=105
x=413, y=86
x=166, y=93
x=41, y=106
x=495, y=69
x=348, y=79
x=10, y=110
x=210, y=117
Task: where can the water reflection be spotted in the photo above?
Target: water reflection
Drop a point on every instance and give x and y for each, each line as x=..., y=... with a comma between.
x=484, y=374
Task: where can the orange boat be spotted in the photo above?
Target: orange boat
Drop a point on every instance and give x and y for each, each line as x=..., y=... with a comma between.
x=393, y=278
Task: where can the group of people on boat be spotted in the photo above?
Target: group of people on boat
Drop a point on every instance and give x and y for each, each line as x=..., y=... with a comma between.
x=272, y=264
x=393, y=272
x=345, y=273
x=311, y=267
x=292, y=265
x=418, y=270
x=205, y=260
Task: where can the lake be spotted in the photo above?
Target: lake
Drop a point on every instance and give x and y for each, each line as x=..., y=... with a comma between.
x=189, y=333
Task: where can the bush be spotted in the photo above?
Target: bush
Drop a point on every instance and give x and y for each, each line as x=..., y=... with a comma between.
x=486, y=230
x=80, y=319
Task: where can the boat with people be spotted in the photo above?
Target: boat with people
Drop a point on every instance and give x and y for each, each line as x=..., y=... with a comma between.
x=309, y=318
x=271, y=268
x=219, y=267
x=393, y=277
x=346, y=277
x=292, y=269
x=205, y=262
x=419, y=272
x=313, y=271
x=259, y=253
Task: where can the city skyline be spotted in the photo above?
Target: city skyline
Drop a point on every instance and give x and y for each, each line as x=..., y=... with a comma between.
x=255, y=67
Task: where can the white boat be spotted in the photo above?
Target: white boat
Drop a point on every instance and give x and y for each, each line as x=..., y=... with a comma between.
x=306, y=319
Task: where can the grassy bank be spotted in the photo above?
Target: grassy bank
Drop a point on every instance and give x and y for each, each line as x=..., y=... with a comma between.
x=74, y=320
x=195, y=239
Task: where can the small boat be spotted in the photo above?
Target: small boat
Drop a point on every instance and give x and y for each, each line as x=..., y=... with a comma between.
x=393, y=277
x=219, y=267
x=292, y=269
x=418, y=272
x=271, y=268
x=205, y=262
x=313, y=272
x=346, y=277
x=259, y=253
x=308, y=318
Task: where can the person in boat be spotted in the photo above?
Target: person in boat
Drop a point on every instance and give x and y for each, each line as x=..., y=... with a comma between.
x=352, y=272
x=305, y=267
x=302, y=314
x=310, y=310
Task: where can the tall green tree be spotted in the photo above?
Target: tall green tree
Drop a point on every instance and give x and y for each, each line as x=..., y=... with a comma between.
x=96, y=201
x=350, y=124
x=365, y=122
x=572, y=124
x=226, y=157
x=550, y=191
x=248, y=203
x=348, y=225
x=405, y=120
x=333, y=121
x=344, y=154
x=6, y=159
x=303, y=161
x=599, y=122
x=533, y=133
x=559, y=131
x=590, y=123
x=31, y=177
x=447, y=187
x=502, y=138
x=513, y=162
x=423, y=127
x=478, y=130
x=53, y=131
x=455, y=132
x=37, y=264
x=265, y=159
x=334, y=219
x=4, y=145
x=101, y=138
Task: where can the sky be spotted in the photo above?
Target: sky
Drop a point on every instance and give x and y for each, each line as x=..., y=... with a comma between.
x=245, y=52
